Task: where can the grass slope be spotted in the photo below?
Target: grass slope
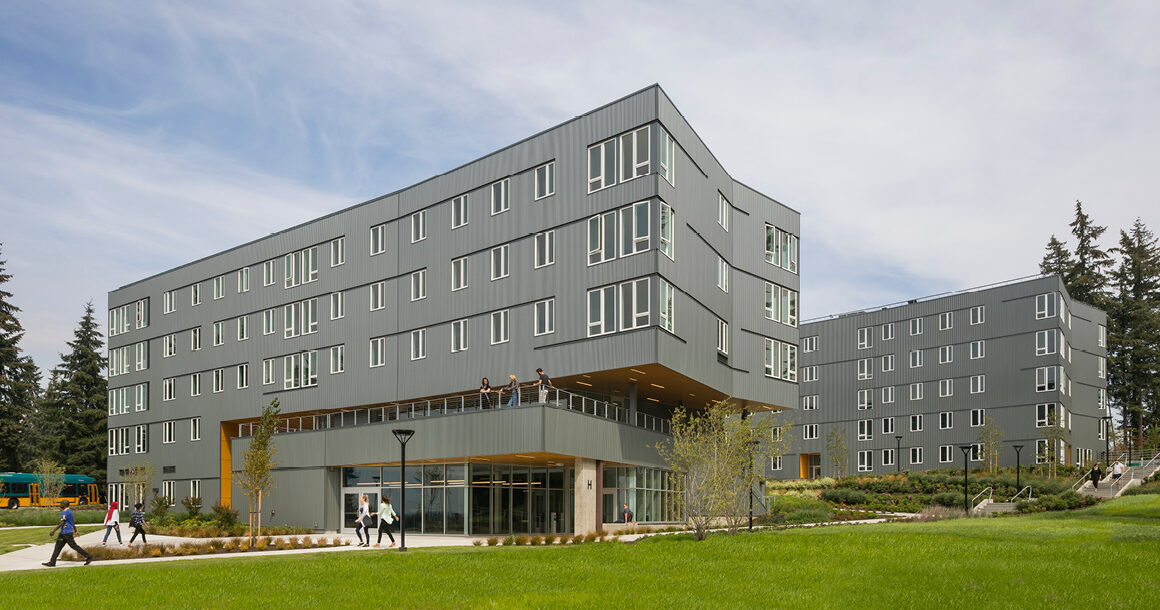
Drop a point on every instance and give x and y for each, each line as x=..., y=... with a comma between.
x=16, y=539
x=1056, y=560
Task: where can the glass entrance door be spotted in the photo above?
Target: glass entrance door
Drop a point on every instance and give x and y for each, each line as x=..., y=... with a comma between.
x=350, y=501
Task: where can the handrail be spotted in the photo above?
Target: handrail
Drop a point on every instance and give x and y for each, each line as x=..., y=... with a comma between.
x=1082, y=479
x=987, y=491
x=1025, y=489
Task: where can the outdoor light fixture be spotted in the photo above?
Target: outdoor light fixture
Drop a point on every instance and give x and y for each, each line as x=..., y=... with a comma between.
x=1107, y=441
x=966, y=502
x=1018, y=484
x=898, y=454
x=403, y=436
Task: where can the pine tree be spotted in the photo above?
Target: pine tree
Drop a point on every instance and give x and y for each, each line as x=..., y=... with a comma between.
x=1057, y=260
x=1134, y=331
x=42, y=436
x=1089, y=275
x=84, y=401
x=18, y=376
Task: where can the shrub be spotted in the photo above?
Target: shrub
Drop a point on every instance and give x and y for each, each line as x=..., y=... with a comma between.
x=1067, y=500
x=159, y=508
x=522, y=540
x=550, y=539
x=509, y=541
x=590, y=537
x=477, y=542
x=808, y=515
x=493, y=541
x=192, y=506
x=224, y=517
x=940, y=512
x=948, y=499
x=307, y=542
x=848, y=497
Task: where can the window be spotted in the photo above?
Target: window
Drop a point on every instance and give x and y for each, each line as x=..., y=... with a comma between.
x=546, y=180
x=916, y=391
x=634, y=154
x=810, y=403
x=378, y=352
x=1102, y=336
x=977, y=452
x=419, y=284
x=946, y=354
x=916, y=423
x=775, y=462
x=978, y=384
x=378, y=239
x=722, y=274
x=780, y=360
x=219, y=287
x=865, y=461
x=978, y=417
x=865, y=399
x=978, y=314
x=499, y=326
x=946, y=388
x=300, y=370
x=459, y=211
x=1102, y=429
x=668, y=159
x=169, y=301
x=195, y=488
x=268, y=371
x=337, y=251
x=459, y=274
x=915, y=326
x=140, y=397
x=243, y=376
x=722, y=336
x=722, y=211
x=865, y=368
x=978, y=349
x=865, y=430
x=337, y=305
x=916, y=455
x=195, y=431
x=666, y=233
x=601, y=165
x=1046, y=379
x=219, y=380
x=195, y=384
x=458, y=336
x=168, y=490
x=378, y=294
x=219, y=333
x=887, y=457
x=946, y=320
x=915, y=358
x=810, y=432
x=1042, y=453
x=887, y=425
x=499, y=262
x=781, y=248
x=300, y=318
x=1046, y=342
x=601, y=238
x=419, y=344
x=810, y=344
x=634, y=228
x=499, y=196
x=268, y=273
x=864, y=338
x=634, y=304
x=601, y=311
x=141, y=356
x=337, y=359
x=419, y=226
x=169, y=388
x=1101, y=398
x=545, y=317
x=268, y=322
x=1101, y=367
x=888, y=363
x=1045, y=306
x=810, y=373
x=301, y=267
x=545, y=249
x=168, y=432
x=946, y=420
x=243, y=328
x=195, y=294
x=887, y=394
x=195, y=339
x=781, y=304
x=888, y=331
x=946, y=453
x=666, y=313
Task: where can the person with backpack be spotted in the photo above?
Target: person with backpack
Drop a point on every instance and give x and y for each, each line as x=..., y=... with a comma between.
x=112, y=522
x=137, y=522
x=387, y=516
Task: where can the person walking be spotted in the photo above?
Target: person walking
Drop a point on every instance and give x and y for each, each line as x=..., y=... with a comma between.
x=112, y=522
x=363, y=522
x=387, y=516
x=137, y=522
x=67, y=529
x=1097, y=474
x=484, y=394
x=543, y=382
x=514, y=388
x=1117, y=471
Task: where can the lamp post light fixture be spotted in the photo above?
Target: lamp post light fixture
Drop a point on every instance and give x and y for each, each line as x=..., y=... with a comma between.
x=403, y=436
x=1018, y=484
x=966, y=501
x=898, y=453
x=1107, y=442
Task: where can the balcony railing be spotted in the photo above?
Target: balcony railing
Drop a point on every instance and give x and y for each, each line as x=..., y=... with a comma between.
x=527, y=396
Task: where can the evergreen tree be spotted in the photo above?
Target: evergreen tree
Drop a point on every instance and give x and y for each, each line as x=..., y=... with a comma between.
x=1134, y=331
x=42, y=437
x=1089, y=274
x=18, y=376
x=1057, y=260
x=83, y=397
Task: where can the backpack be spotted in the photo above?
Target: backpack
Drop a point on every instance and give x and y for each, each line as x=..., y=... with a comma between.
x=137, y=520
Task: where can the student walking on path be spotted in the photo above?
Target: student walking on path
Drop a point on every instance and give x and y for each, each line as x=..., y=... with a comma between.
x=514, y=388
x=112, y=522
x=1097, y=474
x=542, y=384
x=484, y=394
x=67, y=529
x=137, y=522
x=1117, y=471
x=364, y=521
x=387, y=516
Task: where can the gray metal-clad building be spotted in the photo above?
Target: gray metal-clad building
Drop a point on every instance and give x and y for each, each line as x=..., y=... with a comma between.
x=612, y=250
x=910, y=384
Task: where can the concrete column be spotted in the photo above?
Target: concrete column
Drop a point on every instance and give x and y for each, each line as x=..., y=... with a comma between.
x=585, y=513
x=632, y=402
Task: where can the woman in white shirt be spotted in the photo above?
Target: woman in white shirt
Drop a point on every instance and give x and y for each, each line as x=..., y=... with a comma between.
x=363, y=524
x=112, y=522
x=387, y=516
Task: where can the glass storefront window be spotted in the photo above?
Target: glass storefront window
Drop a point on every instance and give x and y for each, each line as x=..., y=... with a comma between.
x=433, y=475
x=480, y=474
x=455, y=474
x=357, y=476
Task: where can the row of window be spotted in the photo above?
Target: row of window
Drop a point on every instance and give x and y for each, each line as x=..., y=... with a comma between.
x=119, y=438
x=627, y=157
x=128, y=317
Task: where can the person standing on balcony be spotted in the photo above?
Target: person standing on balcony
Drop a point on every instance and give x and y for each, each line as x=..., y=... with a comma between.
x=514, y=388
x=484, y=394
x=543, y=383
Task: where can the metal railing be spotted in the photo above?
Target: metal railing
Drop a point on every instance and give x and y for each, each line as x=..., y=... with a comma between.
x=989, y=491
x=1025, y=489
x=1079, y=483
x=473, y=402
x=1082, y=479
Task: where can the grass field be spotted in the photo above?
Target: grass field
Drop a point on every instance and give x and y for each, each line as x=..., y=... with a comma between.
x=16, y=539
x=1098, y=558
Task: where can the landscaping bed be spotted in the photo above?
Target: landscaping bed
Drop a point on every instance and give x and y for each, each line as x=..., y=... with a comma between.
x=208, y=547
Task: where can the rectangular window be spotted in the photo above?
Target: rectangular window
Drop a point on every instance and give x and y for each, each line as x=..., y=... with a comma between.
x=865, y=339
x=545, y=249
x=887, y=457
x=499, y=326
x=634, y=228
x=977, y=452
x=865, y=461
x=946, y=387
x=300, y=370
x=666, y=232
x=337, y=305
x=168, y=491
x=418, y=284
x=268, y=371
x=195, y=339
x=243, y=328
x=195, y=384
x=601, y=165
x=141, y=355
x=634, y=154
x=1046, y=342
x=915, y=358
x=915, y=326
x=140, y=398
x=978, y=417
x=865, y=430
x=169, y=388
x=459, y=274
x=916, y=423
x=946, y=354
x=337, y=359
x=781, y=248
x=1046, y=379
x=601, y=311
x=865, y=399
x=419, y=344
x=195, y=295
x=946, y=320
x=1045, y=306
x=219, y=287
x=195, y=488
x=1101, y=367
x=888, y=331
x=1042, y=453
x=668, y=159
x=268, y=325
x=378, y=239
x=546, y=180
x=499, y=196
x=865, y=368
x=301, y=267
x=300, y=318
x=775, y=462
x=337, y=251
x=1101, y=398
x=946, y=454
x=219, y=380
x=810, y=373
x=978, y=349
x=722, y=274
x=499, y=262
x=545, y=317
x=601, y=238
x=887, y=425
x=169, y=301
x=978, y=314
x=978, y=384
x=634, y=304
x=781, y=304
x=722, y=336
x=887, y=394
x=810, y=403
x=809, y=344
x=419, y=226
x=1101, y=336
x=810, y=432
x=195, y=432
x=781, y=360
x=268, y=273
x=459, y=211
x=916, y=455
x=243, y=376
x=219, y=333
x=378, y=355
x=722, y=211
x=458, y=336
x=666, y=314
x=888, y=363
x=378, y=296
x=916, y=391
x=169, y=432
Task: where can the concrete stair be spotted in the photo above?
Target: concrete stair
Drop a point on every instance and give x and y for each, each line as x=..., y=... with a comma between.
x=1133, y=476
x=992, y=508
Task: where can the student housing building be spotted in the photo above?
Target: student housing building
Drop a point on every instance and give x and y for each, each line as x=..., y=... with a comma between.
x=612, y=250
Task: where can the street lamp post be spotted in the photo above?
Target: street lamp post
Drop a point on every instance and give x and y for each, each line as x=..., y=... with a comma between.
x=1107, y=442
x=1018, y=484
x=403, y=436
x=966, y=501
x=898, y=453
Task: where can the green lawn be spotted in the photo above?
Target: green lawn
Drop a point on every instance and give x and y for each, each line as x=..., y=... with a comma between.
x=1045, y=560
x=16, y=539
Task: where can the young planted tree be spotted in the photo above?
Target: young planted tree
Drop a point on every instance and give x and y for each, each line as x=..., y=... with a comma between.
x=746, y=445
x=1134, y=332
x=838, y=451
x=989, y=437
x=139, y=480
x=50, y=479
x=18, y=382
x=1056, y=439
x=257, y=477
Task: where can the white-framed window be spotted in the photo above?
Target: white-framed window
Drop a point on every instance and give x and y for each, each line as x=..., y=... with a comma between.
x=141, y=397
x=499, y=196
x=219, y=287
x=722, y=274
x=268, y=275
x=378, y=293
x=601, y=238
x=946, y=454
x=1101, y=398
x=499, y=262
x=887, y=363
x=865, y=461
x=865, y=339
x=268, y=324
x=977, y=452
x=978, y=349
x=865, y=368
x=887, y=394
x=1101, y=336
x=195, y=488
x=219, y=333
x=916, y=422
x=668, y=296
x=544, y=249
x=337, y=251
x=865, y=429
x=195, y=295
x=337, y=359
x=810, y=373
x=459, y=211
x=243, y=280
x=169, y=491
x=780, y=360
x=775, y=462
x=668, y=159
x=169, y=301
x=459, y=336
x=243, y=328
x=243, y=376
x=915, y=326
x=810, y=432
x=169, y=388
x=634, y=304
x=459, y=274
x=219, y=380
x=946, y=420
x=1102, y=429
x=118, y=361
x=378, y=352
x=978, y=314
x=141, y=356
x=722, y=336
x=667, y=229
x=865, y=399
x=916, y=391
x=499, y=327
x=634, y=228
x=300, y=318
x=946, y=388
x=810, y=403
x=946, y=354
x=781, y=304
x=168, y=432
x=888, y=331
x=978, y=384
x=300, y=370
x=946, y=320
x=1046, y=379
x=195, y=338
x=419, y=226
x=301, y=267
x=916, y=455
x=809, y=344
x=915, y=358
x=419, y=344
x=978, y=417
x=887, y=425
x=601, y=311
x=195, y=384
x=268, y=368
x=887, y=457
x=1045, y=306
x=634, y=154
x=337, y=305
x=601, y=165
x=1042, y=452
x=195, y=431
x=545, y=317
x=781, y=248
x=1046, y=342
x=722, y=211
x=546, y=180
x=1101, y=367
x=378, y=239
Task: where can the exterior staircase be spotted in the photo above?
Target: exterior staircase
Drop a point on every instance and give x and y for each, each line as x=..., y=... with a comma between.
x=1135, y=473
x=992, y=508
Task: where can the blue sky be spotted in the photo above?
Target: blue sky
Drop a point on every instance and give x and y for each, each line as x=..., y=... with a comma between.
x=929, y=146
